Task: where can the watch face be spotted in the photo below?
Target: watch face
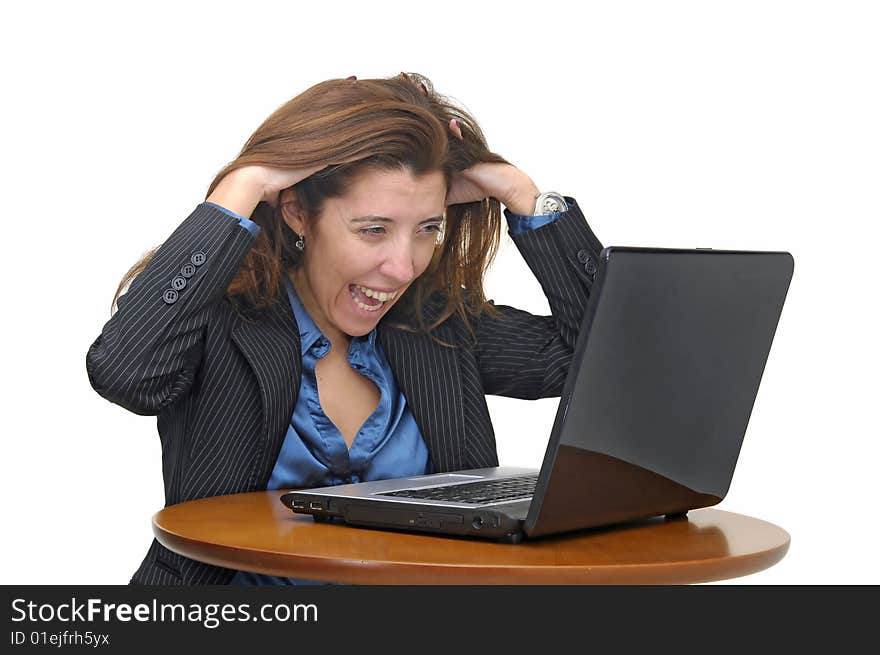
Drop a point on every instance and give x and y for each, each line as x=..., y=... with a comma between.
x=551, y=203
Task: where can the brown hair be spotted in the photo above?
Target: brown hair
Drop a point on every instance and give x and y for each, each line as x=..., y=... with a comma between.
x=356, y=125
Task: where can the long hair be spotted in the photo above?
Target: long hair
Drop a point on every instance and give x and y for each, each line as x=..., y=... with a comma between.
x=349, y=126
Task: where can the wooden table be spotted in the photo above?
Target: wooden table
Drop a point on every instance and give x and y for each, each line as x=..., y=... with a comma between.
x=255, y=532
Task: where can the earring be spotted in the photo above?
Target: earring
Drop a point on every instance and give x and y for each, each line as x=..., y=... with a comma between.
x=300, y=244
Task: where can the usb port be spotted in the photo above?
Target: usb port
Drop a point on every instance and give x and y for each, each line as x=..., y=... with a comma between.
x=299, y=504
x=315, y=506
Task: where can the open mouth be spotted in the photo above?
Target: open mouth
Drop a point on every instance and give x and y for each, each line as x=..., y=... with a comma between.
x=369, y=300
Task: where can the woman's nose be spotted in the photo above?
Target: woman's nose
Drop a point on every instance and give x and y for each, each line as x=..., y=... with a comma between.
x=399, y=263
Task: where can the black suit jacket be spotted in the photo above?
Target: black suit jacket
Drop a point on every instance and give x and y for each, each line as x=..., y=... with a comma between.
x=224, y=383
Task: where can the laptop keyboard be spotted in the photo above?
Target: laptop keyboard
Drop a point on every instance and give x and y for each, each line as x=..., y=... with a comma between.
x=475, y=493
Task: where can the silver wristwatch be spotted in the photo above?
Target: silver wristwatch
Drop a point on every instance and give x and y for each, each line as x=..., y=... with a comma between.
x=549, y=202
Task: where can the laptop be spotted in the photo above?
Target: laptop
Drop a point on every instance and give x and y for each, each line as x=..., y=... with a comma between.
x=652, y=416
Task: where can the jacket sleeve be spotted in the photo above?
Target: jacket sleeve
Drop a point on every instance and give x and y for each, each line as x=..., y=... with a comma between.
x=522, y=355
x=149, y=351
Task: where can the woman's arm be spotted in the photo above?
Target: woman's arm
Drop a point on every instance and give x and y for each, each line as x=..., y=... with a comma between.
x=519, y=354
x=522, y=355
x=149, y=351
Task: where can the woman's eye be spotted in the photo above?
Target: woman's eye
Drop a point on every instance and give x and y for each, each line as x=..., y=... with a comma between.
x=378, y=229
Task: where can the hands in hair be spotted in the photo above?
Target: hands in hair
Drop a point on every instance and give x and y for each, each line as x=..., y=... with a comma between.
x=242, y=189
x=505, y=182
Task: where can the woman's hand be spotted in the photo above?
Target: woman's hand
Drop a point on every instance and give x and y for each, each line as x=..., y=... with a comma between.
x=241, y=190
x=505, y=182
x=274, y=180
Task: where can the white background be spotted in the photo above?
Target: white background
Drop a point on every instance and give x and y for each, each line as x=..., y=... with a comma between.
x=743, y=124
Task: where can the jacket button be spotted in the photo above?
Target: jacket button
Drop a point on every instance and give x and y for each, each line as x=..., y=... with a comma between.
x=583, y=256
x=198, y=258
x=170, y=296
x=188, y=270
x=590, y=267
x=178, y=283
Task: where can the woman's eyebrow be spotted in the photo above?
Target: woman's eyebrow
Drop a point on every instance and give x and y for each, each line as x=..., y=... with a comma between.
x=385, y=219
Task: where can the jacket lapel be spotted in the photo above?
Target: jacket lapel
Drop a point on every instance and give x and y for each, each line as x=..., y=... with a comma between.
x=270, y=342
x=428, y=375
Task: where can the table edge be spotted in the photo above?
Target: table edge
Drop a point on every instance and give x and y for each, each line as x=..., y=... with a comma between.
x=356, y=571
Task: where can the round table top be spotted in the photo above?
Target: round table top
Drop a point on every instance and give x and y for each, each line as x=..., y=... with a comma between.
x=255, y=532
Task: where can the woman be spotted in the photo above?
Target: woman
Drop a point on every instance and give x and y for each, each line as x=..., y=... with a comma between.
x=320, y=318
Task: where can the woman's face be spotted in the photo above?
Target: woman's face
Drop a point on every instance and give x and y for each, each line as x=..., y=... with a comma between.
x=367, y=247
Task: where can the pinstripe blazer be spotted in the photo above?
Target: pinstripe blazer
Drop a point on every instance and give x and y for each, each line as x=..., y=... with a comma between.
x=224, y=382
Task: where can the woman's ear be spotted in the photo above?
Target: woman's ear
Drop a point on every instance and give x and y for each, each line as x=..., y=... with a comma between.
x=291, y=211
